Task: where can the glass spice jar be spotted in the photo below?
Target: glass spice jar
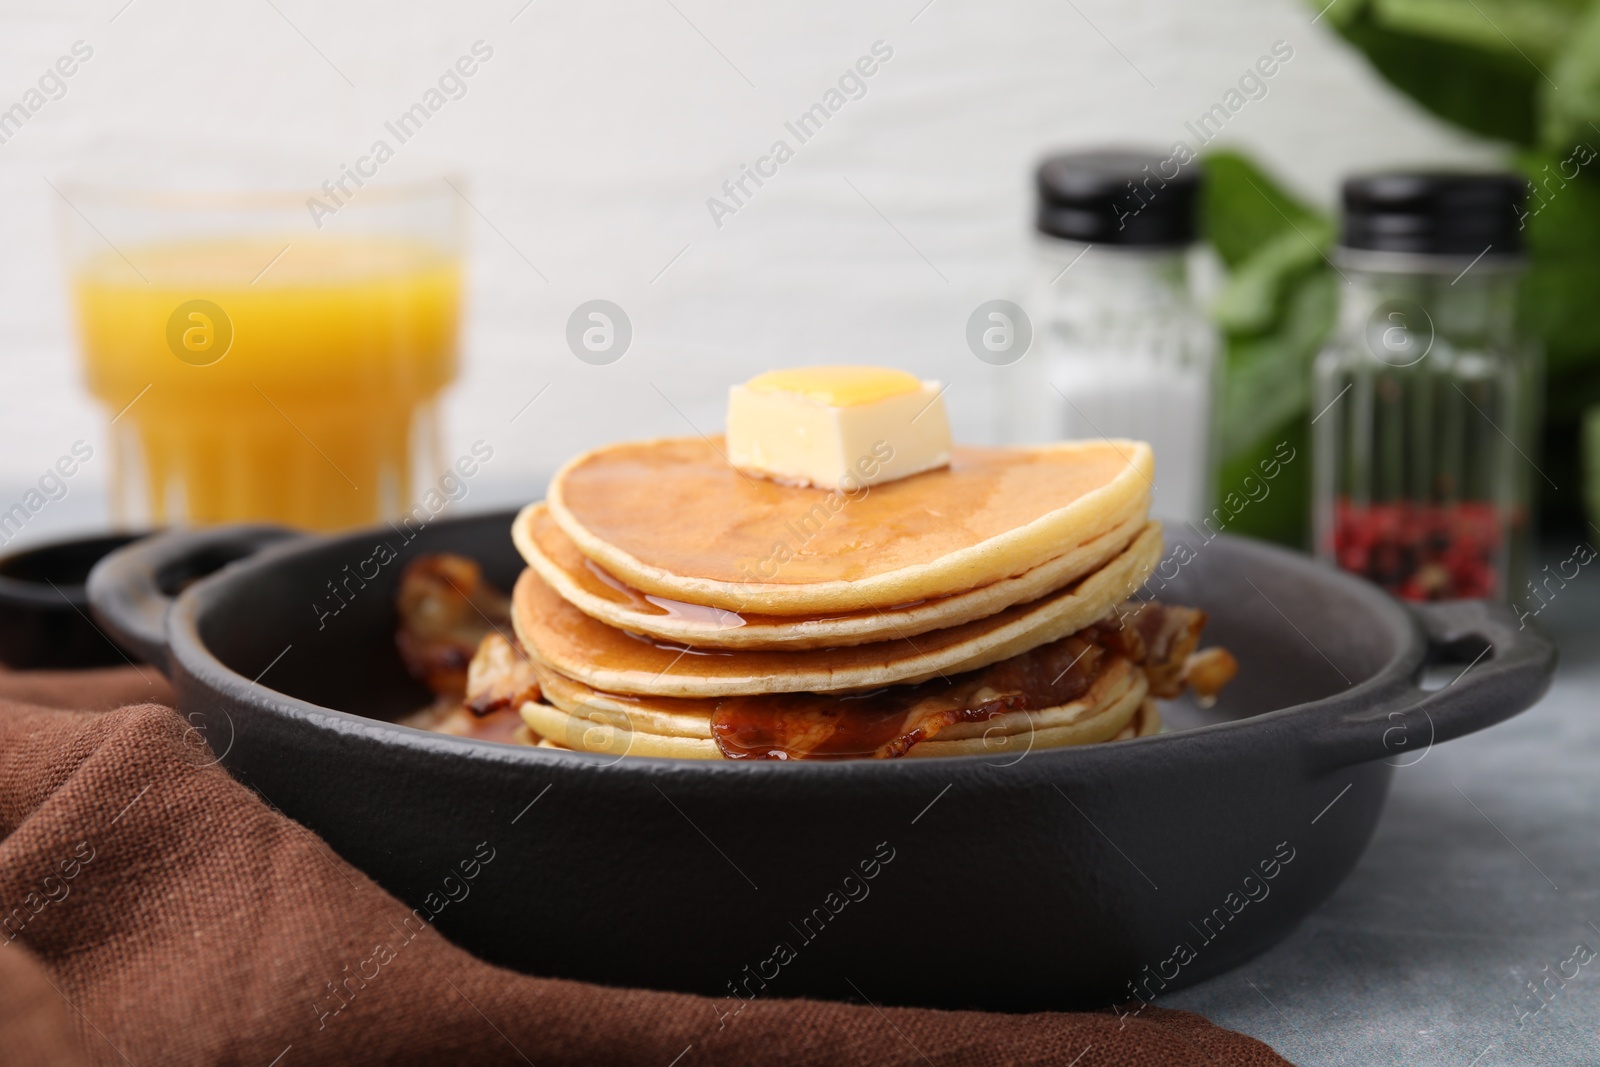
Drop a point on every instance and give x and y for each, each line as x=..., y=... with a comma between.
x=1123, y=349
x=1425, y=400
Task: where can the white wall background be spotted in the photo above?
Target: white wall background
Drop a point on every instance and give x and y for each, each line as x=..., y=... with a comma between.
x=591, y=142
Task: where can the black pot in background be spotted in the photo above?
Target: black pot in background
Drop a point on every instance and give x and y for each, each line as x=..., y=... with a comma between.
x=44, y=609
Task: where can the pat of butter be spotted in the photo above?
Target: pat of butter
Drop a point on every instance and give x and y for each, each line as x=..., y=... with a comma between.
x=837, y=427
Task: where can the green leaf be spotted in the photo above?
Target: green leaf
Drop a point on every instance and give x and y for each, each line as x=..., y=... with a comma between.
x=1269, y=375
x=1534, y=29
x=1562, y=215
x=1253, y=298
x=1557, y=305
x=1568, y=393
x=1591, y=463
x=1572, y=111
x=1563, y=234
x=1284, y=515
x=1243, y=209
x=1341, y=13
x=1275, y=311
x=1492, y=91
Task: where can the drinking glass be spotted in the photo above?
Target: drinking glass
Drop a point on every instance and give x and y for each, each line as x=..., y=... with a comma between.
x=262, y=360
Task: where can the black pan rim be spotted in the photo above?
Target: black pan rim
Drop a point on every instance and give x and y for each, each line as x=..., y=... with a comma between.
x=58, y=596
x=189, y=652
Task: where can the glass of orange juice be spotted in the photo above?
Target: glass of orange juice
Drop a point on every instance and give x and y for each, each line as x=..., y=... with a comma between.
x=264, y=361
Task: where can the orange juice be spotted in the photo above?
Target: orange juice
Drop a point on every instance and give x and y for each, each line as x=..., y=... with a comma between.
x=290, y=380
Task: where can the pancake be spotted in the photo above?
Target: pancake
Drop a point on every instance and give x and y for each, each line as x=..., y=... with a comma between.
x=671, y=518
x=581, y=582
x=1143, y=721
x=560, y=638
x=581, y=718
x=1147, y=723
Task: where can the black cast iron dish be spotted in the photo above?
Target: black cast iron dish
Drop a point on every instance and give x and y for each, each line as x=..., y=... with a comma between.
x=1063, y=877
x=44, y=609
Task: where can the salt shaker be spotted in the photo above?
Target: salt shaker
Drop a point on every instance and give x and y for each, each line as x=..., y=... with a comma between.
x=1122, y=349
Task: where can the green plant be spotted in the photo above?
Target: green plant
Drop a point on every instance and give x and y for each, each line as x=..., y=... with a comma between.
x=1522, y=72
x=1276, y=310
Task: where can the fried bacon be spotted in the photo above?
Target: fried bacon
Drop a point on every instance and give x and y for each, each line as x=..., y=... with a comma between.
x=445, y=716
x=1162, y=638
x=1207, y=671
x=446, y=610
x=450, y=637
x=499, y=677
x=1158, y=638
x=881, y=724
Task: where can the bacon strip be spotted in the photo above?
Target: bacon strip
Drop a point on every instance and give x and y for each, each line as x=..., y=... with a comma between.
x=450, y=638
x=1159, y=638
x=446, y=610
x=499, y=676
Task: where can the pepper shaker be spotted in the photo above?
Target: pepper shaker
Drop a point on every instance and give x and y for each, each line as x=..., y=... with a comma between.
x=1425, y=400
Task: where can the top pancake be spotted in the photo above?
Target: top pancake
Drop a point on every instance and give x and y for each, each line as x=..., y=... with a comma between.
x=582, y=583
x=671, y=518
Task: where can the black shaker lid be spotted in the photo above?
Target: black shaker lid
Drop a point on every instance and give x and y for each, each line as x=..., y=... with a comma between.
x=1118, y=198
x=1435, y=213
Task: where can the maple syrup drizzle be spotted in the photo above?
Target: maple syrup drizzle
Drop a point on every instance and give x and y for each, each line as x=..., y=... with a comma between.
x=887, y=722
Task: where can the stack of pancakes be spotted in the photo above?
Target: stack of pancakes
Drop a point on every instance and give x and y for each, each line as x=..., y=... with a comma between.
x=675, y=606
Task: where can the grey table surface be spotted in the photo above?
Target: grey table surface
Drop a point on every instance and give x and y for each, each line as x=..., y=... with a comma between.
x=1484, y=870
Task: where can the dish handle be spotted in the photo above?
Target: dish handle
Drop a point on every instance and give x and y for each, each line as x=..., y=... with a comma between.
x=131, y=589
x=1505, y=665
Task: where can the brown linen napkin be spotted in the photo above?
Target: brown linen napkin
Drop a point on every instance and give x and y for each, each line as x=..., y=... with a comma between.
x=153, y=910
